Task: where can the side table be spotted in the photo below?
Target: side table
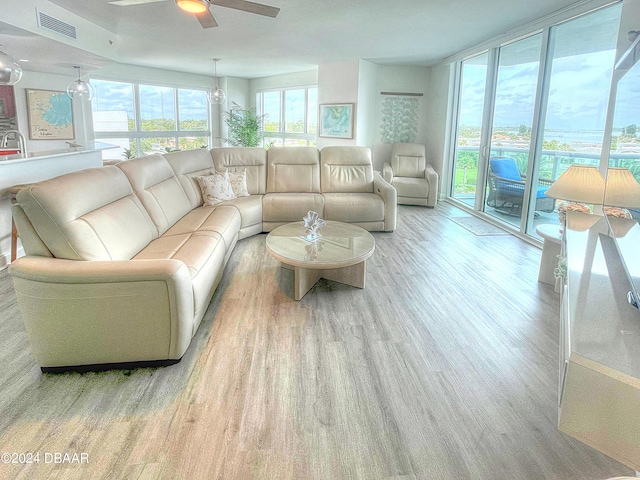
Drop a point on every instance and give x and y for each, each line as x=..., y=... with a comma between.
x=550, y=251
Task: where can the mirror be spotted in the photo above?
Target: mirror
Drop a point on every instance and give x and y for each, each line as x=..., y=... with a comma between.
x=8, y=119
x=622, y=191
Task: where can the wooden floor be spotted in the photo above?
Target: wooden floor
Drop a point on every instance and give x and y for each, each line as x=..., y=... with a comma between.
x=444, y=367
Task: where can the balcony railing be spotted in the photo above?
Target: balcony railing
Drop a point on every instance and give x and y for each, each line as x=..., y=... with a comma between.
x=558, y=158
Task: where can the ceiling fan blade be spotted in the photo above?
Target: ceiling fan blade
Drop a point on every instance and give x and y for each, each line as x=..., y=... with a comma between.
x=206, y=19
x=129, y=3
x=246, y=6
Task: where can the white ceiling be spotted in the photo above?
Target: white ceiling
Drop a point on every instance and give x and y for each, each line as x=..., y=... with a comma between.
x=304, y=35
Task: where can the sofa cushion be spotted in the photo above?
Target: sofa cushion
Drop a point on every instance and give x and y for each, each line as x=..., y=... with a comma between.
x=156, y=185
x=346, y=170
x=293, y=169
x=250, y=209
x=223, y=220
x=406, y=166
x=188, y=165
x=290, y=207
x=411, y=187
x=88, y=215
x=254, y=160
x=353, y=207
x=215, y=188
x=203, y=253
x=408, y=159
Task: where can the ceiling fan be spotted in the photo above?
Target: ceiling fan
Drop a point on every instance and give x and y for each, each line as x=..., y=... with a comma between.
x=200, y=8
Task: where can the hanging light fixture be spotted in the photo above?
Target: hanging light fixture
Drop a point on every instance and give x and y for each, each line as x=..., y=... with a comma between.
x=193, y=6
x=216, y=95
x=10, y=71
x=80, y=90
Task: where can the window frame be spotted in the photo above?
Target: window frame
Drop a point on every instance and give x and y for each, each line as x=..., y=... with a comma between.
x=282, y=135
x=137, y=135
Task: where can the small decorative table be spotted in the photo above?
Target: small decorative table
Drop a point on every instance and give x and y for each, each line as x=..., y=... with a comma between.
x=340, y=254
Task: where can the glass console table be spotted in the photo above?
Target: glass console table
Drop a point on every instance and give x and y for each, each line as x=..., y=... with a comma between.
x=599, y=381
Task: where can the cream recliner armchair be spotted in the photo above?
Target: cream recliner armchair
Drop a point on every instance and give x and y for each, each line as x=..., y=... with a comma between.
x=415, y=181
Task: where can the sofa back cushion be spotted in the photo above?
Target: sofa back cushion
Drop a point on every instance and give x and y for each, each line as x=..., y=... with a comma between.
x=188, y=165
x=346, y=169
x=88, y=215
x=236, y=159
x=293, y=170
x=408, y=160
x=156, y=185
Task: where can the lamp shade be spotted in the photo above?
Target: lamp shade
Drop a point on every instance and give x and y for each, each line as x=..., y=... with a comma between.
x=622, y=189
x=580, y=183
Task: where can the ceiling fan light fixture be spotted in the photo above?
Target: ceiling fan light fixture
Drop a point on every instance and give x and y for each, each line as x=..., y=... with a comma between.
x=79, y=89
x=193, y=6
x=10, y=71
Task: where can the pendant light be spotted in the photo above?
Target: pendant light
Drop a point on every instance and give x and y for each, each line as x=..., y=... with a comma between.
x=10, y=71
x=216, y=95
x=80, y=90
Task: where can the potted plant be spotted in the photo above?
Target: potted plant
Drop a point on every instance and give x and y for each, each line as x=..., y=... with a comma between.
x=243, y=126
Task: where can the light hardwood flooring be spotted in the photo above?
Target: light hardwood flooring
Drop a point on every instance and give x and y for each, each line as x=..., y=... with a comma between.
x=444, y=367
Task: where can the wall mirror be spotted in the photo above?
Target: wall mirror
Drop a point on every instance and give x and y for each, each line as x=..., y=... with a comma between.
x=622, y=192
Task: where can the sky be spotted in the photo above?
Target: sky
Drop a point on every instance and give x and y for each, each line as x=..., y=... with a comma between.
x=578, y=94
x=584, y=54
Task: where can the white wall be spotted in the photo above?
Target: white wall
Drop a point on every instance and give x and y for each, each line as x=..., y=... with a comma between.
x=400, y=79
x=438, y=120
x=338, y=83
x=366, y=106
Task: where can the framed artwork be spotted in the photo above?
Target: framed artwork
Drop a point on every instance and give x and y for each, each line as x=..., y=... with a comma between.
x=50, y=115
x=336, y=120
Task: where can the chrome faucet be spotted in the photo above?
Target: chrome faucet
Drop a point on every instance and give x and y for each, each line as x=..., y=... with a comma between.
x=22, y=144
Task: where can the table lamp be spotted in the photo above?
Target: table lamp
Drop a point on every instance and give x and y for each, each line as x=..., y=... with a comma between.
x=578, y=185
x=622, y=191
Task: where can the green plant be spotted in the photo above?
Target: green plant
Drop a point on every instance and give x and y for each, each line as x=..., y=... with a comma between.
x=244, y=127
x=128, y=153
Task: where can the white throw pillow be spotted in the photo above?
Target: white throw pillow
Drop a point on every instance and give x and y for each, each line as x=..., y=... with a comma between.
x=238, y=182
x=215, y=188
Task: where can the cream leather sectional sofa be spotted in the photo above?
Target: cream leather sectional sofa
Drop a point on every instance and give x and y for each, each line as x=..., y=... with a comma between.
x=122, y=261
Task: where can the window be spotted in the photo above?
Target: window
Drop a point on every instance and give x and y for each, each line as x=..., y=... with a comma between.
x=540, y=101
x=290, y=116
x=145, y=119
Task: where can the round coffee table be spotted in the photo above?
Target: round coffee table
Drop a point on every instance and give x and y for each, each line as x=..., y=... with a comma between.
x=340, y=254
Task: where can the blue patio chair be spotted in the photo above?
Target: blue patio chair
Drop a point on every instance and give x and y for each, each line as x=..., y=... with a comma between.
x=506, y=188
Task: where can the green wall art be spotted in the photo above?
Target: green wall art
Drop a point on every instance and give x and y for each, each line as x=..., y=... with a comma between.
x=399, y=119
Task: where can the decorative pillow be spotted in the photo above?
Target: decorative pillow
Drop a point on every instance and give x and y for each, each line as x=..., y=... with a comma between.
x=238, y=182
x=215, y=188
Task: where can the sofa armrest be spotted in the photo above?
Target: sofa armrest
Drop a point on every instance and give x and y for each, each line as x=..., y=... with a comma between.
x=390, y=197
x=95, y=312
x=432, y=177
x=387, y=172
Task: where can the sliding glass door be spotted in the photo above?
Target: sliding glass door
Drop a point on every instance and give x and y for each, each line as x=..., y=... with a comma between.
x=526, y=111
x=581, y=59
x=473, y=79
x=514, y=103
